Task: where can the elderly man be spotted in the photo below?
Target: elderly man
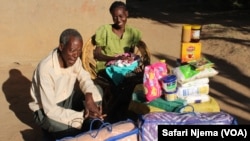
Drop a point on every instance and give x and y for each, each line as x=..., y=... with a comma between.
x=59, y=108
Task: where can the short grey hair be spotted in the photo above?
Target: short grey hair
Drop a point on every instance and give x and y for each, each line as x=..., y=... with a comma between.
x=67, y=33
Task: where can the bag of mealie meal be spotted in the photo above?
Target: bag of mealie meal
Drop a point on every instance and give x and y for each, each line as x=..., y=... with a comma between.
x=187, y=73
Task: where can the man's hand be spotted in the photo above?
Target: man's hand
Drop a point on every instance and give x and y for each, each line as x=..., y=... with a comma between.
x=92, y=110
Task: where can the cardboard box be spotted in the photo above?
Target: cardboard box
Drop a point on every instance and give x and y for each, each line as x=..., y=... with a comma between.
x=190, y=51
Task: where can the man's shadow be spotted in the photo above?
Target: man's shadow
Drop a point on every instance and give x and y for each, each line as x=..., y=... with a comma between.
x=17, y=92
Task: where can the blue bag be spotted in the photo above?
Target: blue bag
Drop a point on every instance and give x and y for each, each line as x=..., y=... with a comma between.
x=149, y=122
x=123, y=130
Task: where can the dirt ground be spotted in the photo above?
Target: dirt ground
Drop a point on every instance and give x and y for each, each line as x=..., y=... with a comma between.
x=225, y=41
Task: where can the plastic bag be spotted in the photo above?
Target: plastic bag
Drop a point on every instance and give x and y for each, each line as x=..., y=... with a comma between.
x=125, y=130
x=151, y=80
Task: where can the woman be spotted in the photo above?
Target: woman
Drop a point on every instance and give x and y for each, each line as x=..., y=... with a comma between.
x=113, y=40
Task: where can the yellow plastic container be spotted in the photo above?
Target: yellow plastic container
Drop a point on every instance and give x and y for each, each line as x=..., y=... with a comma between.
x=186, y=33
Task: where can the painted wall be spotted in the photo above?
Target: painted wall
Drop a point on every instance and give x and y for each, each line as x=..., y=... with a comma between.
x=30, y=29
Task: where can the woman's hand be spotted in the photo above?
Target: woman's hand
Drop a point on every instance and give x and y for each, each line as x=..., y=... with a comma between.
x=125, y=57
x=138, y=69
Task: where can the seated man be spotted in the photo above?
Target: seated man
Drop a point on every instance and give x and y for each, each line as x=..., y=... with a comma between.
x=112, y=41
x=59, y=108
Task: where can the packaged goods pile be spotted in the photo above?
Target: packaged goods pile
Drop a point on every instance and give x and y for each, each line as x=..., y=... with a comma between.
x=186, y=84
x=193, y=83
x=194, y=71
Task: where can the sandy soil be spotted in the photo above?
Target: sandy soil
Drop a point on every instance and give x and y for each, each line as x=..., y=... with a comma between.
x=225, y=41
